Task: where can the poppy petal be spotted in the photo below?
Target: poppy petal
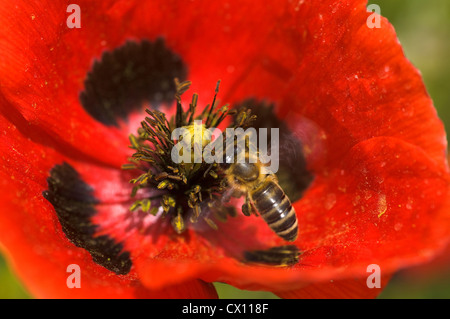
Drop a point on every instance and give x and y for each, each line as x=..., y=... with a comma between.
x=371, y=200
x=67, y=55
x=56, y=90
x=360, y=216
x=33, y=240
x=374, y=91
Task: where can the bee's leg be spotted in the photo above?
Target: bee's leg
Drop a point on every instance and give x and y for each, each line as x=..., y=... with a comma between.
x=254, y=211
x=248, y=208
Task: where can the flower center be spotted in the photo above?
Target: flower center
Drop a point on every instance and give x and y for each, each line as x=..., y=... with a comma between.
x=181, y=190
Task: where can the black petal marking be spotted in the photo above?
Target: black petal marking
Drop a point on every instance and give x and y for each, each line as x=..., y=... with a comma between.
x=293, y=176
x=128, y=76
x=74, y=204
x=280, y=256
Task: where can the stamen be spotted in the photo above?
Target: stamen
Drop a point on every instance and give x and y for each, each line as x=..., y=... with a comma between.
x=185, y=191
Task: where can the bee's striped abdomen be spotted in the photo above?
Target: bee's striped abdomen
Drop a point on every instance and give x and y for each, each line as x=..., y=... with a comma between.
x=276, y=209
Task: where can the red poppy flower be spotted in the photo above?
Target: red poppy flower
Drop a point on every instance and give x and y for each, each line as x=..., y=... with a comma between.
x=365, y=165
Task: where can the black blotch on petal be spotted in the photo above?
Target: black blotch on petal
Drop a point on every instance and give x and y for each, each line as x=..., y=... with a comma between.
x=129, y=75
x=293, y=176
x=74, y=204
x=287, y=255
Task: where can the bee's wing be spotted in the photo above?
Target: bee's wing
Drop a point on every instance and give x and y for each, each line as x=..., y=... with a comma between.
x=290, y=155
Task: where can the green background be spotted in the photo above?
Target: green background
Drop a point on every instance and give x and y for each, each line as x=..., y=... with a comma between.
x=423, y=28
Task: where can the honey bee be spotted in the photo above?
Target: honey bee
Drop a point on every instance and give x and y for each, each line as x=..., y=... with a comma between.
x=263, y=193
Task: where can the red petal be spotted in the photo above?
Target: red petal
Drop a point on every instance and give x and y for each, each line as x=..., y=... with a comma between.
x=320, y=60
x=364, y=87
x=32, y=238
x=386, y=203
x=371, y=64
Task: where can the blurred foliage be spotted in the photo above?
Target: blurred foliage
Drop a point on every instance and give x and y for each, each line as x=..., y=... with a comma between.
x=10, y=287
x=423, y=28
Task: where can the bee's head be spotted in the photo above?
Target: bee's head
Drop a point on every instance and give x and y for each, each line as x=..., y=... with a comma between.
x=245, y=172
x=232, y=154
